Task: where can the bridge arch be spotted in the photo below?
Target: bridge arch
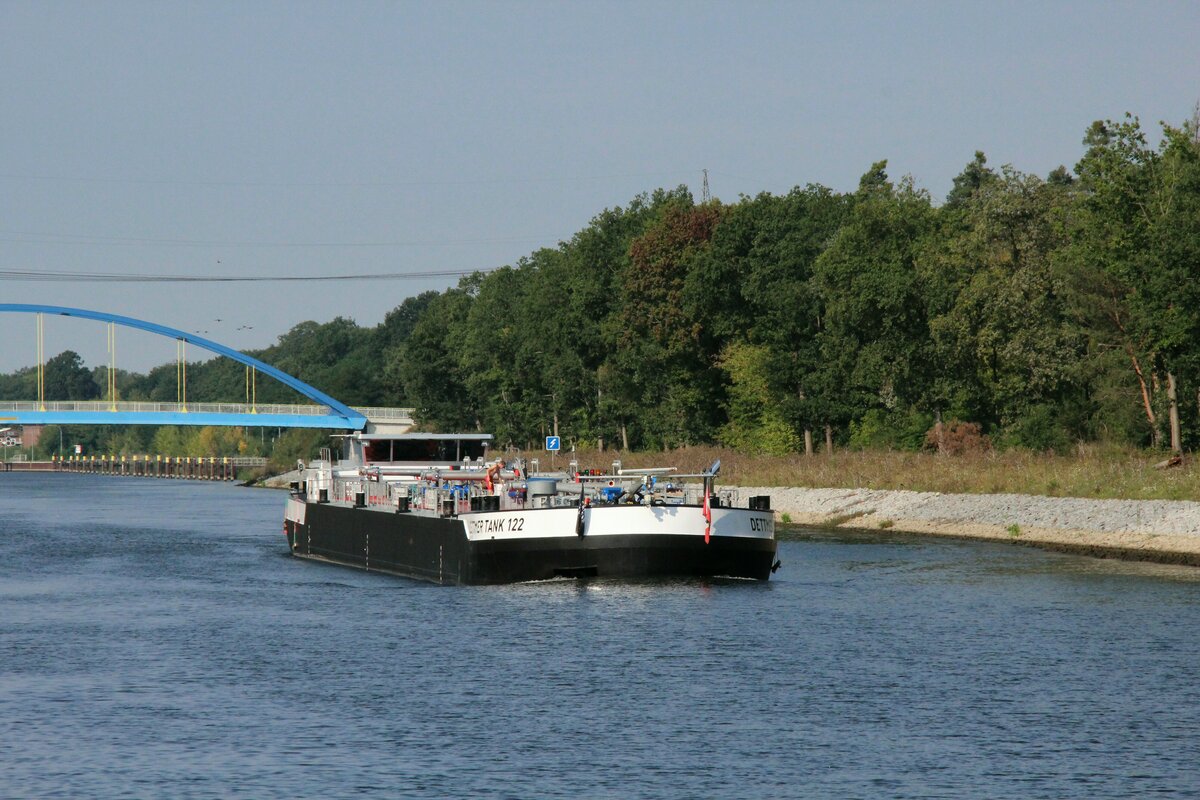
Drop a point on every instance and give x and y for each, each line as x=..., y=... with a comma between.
x=341, y=416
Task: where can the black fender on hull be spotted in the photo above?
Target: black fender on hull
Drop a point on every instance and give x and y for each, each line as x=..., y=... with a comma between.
x=438, y=550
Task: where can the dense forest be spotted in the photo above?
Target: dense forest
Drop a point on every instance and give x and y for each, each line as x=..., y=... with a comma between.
x=1034, y=311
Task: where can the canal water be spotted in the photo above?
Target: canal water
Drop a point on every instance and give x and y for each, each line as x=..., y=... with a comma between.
x=156, y=640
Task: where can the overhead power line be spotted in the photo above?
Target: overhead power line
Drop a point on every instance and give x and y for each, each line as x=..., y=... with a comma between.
x=42, y=275
x=13, y=176
x=45, y=237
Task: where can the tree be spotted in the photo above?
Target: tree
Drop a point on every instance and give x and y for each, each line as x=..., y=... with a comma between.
x=874, y=340
x=754, y=284
x=66, y=378
x=756, y=422
x=657, y=361
x=399, y=323
x=169, y=441
x=428, y=372
x=19, y=385
x=974, y=177
x=1008, y=334
x=1136, y=251
x=492, y=352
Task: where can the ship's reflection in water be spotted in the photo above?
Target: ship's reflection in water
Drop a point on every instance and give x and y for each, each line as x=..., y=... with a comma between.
x=156, y=640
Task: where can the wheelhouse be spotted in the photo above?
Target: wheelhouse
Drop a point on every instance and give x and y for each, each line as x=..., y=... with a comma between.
x=418, y=449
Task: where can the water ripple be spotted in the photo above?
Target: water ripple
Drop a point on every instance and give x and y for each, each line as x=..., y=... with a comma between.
x=156, y=642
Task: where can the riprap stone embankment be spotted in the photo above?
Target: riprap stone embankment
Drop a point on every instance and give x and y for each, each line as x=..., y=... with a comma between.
x=281, y=481
x=1166, y=531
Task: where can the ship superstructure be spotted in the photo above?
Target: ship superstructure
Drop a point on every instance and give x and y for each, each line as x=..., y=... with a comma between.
x=441, y=508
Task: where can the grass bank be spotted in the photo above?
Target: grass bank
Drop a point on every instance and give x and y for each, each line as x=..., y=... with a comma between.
x=1090, y=471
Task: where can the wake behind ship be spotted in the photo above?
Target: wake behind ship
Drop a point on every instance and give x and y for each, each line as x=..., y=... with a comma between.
x=435, y=507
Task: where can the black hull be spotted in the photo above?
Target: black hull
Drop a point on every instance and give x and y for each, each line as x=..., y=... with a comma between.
x=438, y=550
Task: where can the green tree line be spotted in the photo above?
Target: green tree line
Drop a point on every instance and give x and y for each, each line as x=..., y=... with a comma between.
x=1044, y=310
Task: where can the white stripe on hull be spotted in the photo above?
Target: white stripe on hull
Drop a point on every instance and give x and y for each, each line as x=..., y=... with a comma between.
x=602, y=520
x=295, y=510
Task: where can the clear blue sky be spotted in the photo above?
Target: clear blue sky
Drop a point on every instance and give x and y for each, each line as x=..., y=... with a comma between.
x=332, y=138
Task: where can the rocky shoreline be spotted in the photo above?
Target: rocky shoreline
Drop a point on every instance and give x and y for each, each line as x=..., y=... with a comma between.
x=1164, y=531
x=280, y=481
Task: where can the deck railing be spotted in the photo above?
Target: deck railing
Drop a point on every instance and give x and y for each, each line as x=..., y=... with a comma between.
x=380, y=414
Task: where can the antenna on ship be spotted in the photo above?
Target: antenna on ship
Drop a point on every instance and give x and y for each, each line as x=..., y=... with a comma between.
x=705, y=196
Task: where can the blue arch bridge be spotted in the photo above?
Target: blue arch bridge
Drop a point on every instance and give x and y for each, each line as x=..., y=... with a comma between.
x=323, y=412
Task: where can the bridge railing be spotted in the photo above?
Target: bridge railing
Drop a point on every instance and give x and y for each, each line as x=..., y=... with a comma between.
x=402, y=415
x=146, y=407
x=378, y=414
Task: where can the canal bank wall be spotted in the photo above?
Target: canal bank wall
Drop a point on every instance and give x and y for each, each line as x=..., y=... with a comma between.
x=1165, y=531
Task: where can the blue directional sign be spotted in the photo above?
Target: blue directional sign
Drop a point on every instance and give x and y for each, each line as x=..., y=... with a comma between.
x=553, y=443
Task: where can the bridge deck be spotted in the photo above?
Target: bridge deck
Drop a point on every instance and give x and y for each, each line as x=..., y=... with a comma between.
x=126, y=412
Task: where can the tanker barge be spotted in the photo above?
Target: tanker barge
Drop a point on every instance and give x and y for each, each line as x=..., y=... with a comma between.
x=438, y=508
